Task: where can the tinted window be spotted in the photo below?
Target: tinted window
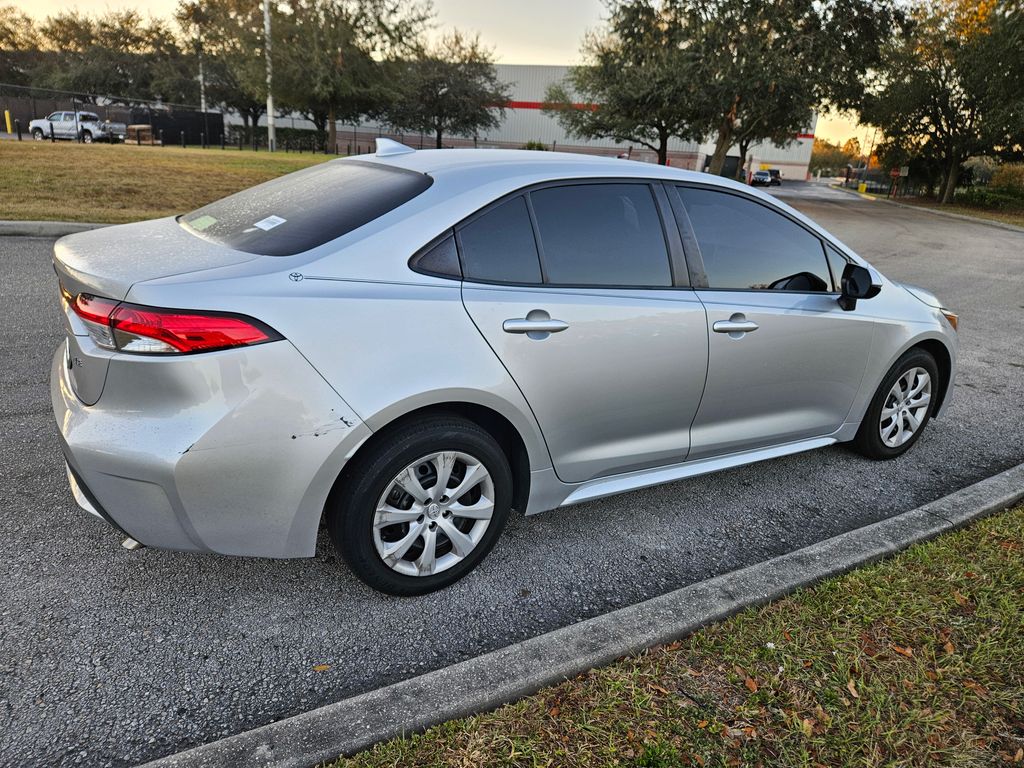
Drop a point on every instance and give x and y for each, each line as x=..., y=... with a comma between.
x=440, y=259
x=601, y=234
x=746, y=245
x=838, y=263
x=499, y=246
x=305, y=209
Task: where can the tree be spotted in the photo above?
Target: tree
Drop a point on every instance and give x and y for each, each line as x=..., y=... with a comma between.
x=118, y=54
x=451, y=87
x=637, y=82
x=830, y=158
x=334, y=58
x=952, y=86
x=772, y=63
x=19, y=46
x=230, y=35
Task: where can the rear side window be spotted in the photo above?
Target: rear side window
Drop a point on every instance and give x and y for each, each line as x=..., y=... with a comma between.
x=499, y=246
x=601, y=234
x=305, y=209
x=748, y=246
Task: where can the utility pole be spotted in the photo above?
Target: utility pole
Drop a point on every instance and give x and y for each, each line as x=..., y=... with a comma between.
x=271, y=137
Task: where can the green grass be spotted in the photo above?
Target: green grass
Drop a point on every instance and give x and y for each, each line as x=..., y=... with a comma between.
x=916, y=661
x=1015, y=217
x=120, y=183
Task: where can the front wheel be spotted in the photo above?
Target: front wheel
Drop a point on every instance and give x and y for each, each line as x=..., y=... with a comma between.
x=421, y=509
x=901, y=407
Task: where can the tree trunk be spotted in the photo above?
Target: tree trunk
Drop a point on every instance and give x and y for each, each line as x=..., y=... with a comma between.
x=744, y=147
x=952, y=177
x=439, y=133
x=722, y=143
x=662, y=148
x=332, y=129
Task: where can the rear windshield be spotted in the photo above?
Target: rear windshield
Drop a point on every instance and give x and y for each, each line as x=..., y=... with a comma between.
x=305, y=209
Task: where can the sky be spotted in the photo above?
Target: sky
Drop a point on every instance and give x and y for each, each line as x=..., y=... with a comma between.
x=519, y=32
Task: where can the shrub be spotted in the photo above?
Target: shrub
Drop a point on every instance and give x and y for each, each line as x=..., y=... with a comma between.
x=538, y=145
x=980, y=197
x=1008, y=179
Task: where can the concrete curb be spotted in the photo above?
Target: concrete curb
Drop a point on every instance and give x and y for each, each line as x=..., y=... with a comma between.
x=486, y=682
x=45, y=228
x=947, y=214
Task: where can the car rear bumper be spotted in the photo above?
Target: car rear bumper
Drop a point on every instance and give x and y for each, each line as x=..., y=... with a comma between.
x=231, y=452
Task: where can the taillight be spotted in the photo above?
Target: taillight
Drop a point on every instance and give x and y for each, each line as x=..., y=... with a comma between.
x=156, y=331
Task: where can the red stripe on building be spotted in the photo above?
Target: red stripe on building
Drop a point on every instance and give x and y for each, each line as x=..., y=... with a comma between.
x=540, y=105
x=805, y=135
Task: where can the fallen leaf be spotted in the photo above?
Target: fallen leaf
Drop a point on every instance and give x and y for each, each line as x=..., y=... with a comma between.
x=785, y=634
x=978, y=689
x=702, y=724
x=659, y=689
x=948, y=647
x=970, y=575
x=554, y=711
x=321, y=667
x=751, y=684
x=852, y=688
x=807, y=726
x=698, y=760
x=908, y=651
x=959, y=597
x=1019, y=756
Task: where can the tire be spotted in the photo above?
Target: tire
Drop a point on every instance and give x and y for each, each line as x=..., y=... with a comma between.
x=373, y=480
x=37, y=134
x=886, y=438
x=86, y=137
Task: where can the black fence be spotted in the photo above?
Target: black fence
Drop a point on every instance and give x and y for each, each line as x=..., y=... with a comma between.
x=176, y=123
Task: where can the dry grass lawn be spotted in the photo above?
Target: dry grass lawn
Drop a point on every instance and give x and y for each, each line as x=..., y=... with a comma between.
x=123, y=182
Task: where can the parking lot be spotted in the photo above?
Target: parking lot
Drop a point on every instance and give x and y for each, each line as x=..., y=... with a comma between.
x=111, y=657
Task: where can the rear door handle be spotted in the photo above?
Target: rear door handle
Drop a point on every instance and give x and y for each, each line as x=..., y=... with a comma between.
x=537, y=324
x=522, y=325
x=735, y=326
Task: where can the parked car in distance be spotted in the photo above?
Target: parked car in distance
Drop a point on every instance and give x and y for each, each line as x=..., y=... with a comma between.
x=88, y=126
x=408, y=346
x=761, y=179
x=776, y=177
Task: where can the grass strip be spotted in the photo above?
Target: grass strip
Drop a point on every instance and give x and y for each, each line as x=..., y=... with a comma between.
x=918, y=660
x=119, y=183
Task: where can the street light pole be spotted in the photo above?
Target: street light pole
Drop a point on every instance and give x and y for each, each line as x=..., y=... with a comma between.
x=271, y=137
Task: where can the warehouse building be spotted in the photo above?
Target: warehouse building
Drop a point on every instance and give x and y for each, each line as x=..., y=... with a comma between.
x=525, y=122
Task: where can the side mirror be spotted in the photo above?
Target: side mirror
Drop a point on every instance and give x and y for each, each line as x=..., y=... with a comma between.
x=856, y=283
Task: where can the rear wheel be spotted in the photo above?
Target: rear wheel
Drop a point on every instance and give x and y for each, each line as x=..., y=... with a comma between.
x=86, y=137
x=901, y=407
x=37, y=134
x=420, y=510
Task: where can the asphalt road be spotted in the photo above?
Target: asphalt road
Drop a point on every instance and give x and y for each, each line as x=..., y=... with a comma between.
x=110, y=657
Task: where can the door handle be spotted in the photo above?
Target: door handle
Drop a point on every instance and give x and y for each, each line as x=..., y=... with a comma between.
x=523, y=325
x=735, y=326
x=537, y=324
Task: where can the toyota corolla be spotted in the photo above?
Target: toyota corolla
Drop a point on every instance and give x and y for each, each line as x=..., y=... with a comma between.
x=406, y=347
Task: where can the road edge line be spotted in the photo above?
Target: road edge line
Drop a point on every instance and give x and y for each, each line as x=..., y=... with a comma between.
x=505, y=675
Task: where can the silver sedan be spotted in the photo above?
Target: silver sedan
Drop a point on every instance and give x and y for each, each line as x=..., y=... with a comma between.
x=408, y=346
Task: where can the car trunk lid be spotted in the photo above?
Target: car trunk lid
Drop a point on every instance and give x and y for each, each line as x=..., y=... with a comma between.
x=106, y=262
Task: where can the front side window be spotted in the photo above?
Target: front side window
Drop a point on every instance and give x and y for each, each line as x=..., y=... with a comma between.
x=601, y=234
x=499, y=246
x=748, y=246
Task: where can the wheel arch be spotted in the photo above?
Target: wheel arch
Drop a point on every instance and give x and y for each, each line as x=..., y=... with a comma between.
x=944, y=361
x=515, y=446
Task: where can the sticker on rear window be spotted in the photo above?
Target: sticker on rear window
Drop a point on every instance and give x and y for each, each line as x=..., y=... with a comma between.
x=269, y=223
x=202, y=222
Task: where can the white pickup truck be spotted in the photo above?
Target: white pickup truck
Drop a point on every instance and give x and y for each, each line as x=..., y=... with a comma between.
x=87, y=126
